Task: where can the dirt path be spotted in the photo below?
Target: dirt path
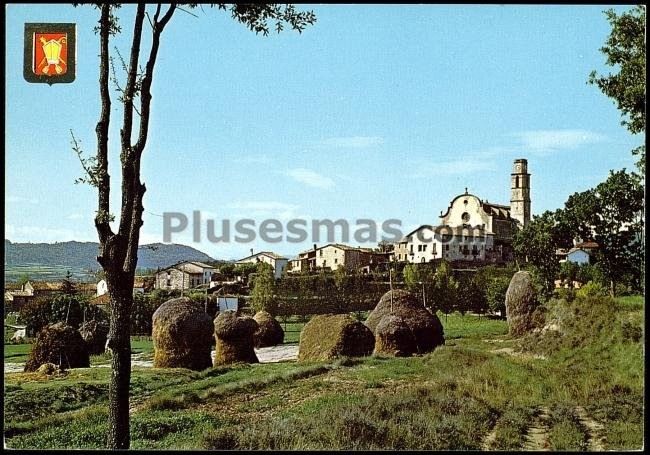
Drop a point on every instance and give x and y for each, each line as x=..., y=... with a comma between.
x=537, y=434
x=280, y=353
x=595, y=437
x=489, y=439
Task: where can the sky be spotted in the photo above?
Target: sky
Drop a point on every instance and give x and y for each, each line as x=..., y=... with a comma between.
x=376, y=112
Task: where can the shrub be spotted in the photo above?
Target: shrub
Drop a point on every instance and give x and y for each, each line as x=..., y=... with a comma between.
x=592, y=289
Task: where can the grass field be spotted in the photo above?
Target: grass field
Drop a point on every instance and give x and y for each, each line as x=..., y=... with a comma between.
x=476, y=392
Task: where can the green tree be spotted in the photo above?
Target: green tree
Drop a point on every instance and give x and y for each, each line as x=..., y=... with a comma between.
x=618, y=228
x=118, y=250
x=495, y=294
x=445, y=289
x=68, y=285
x=625, y=50
x=535, y=246
x=263, y=293
x=411, y=276
x=23, y=279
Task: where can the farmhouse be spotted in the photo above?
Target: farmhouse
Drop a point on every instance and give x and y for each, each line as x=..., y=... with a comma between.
x=184, y=275
x=333, y=255
x=276, y=261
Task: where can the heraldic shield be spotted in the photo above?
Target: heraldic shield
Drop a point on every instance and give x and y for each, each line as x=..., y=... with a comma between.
x=50, y=53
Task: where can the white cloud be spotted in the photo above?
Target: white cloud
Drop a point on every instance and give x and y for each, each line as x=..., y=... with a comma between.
x=75, y=216
x=543, y=141
x=356, y=142
x=311, y=178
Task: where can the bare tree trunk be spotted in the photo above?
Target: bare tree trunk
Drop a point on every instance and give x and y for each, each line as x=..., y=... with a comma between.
x=120, y=345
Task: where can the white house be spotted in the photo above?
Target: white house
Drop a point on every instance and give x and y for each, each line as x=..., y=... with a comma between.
x=276, y=261
x=578, y=256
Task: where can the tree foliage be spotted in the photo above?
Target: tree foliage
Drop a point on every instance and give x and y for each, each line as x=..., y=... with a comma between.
x=625, y=50
x=263, y=291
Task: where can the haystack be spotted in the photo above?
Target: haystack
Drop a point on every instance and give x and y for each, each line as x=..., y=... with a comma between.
x=234, y=339
x=59, y=344
x=425, y=327
x=182, y=335
x=521, y=302
x=329, y=336
x=393, y=337
x=94, y=334
x=269, y=331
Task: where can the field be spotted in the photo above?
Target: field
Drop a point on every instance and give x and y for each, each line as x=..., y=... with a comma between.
x=479, y=391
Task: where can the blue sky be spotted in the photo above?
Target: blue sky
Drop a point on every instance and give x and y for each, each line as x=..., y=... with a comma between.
x=375, y=112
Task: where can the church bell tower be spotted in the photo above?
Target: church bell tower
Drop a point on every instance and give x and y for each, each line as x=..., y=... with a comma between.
x=520, y=192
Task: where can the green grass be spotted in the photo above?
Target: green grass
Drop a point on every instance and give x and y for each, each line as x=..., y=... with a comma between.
x=16, y=353
x=451, y=398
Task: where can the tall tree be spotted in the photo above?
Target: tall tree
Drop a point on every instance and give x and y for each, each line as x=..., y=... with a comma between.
x=263, y=293
x=625, y=50
x=535, y=245
x=118, y=249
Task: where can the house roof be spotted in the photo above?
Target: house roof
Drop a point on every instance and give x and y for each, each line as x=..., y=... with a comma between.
x=587, y=245
x=270, y=254
x=183, y=267
x=497, y=210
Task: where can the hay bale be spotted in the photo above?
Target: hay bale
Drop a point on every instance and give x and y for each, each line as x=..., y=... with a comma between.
x=269, y=331
x=393, y=337
x=94, y=334
x=234, y=339
x=329, y=336
x=521, y=302
x=59, y=344
x=425, y=326
x=182, y=335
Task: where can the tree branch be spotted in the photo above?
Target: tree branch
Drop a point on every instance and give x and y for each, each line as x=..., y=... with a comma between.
x=103, y=179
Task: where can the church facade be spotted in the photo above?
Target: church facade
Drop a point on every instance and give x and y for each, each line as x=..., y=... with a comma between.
x=472, y=229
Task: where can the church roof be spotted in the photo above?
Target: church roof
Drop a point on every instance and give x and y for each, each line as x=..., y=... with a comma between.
x=496, y=210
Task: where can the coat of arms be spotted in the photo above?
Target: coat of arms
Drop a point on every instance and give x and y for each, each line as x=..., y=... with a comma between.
x=50, y=51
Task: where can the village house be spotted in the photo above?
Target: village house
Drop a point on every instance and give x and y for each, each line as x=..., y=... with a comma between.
x=16, y=297
x=276, y=261
x=184, y=275
x=472, y=229
x=335, y=255
x=141, y=284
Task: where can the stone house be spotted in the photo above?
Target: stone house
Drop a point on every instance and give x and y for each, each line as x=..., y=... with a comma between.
x=279, y=263
x=184, y=275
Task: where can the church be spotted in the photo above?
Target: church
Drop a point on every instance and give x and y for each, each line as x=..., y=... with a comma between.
x=472, y=229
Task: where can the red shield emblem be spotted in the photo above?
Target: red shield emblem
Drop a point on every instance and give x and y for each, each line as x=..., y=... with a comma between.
x=50, y=51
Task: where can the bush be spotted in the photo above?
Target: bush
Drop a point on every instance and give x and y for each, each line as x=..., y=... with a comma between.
x=592, y=289
x=631, y=332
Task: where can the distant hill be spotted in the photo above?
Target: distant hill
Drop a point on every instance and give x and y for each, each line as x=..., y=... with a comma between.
x=81, y=255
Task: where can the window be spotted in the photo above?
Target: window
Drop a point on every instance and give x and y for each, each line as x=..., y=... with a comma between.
x=419, y=247
x=424, y=247
x=336, y=261
x=325, y=263
x=447, y=247
x=321, y=253
x=411, y=248
x=422, y=259
x=465, y=217
x=517, y=181
x=169, y=282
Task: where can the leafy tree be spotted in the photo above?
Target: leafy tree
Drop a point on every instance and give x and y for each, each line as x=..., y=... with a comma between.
x=118, y=250
x=495, y=294
x=445, y=289
x=535, y=245
x=568, y=272
x=262, y=295
x=412, y=278
x=625, y=50
x=35, y=314
x=23, y=279
x=67, y=285
x=618, y=227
